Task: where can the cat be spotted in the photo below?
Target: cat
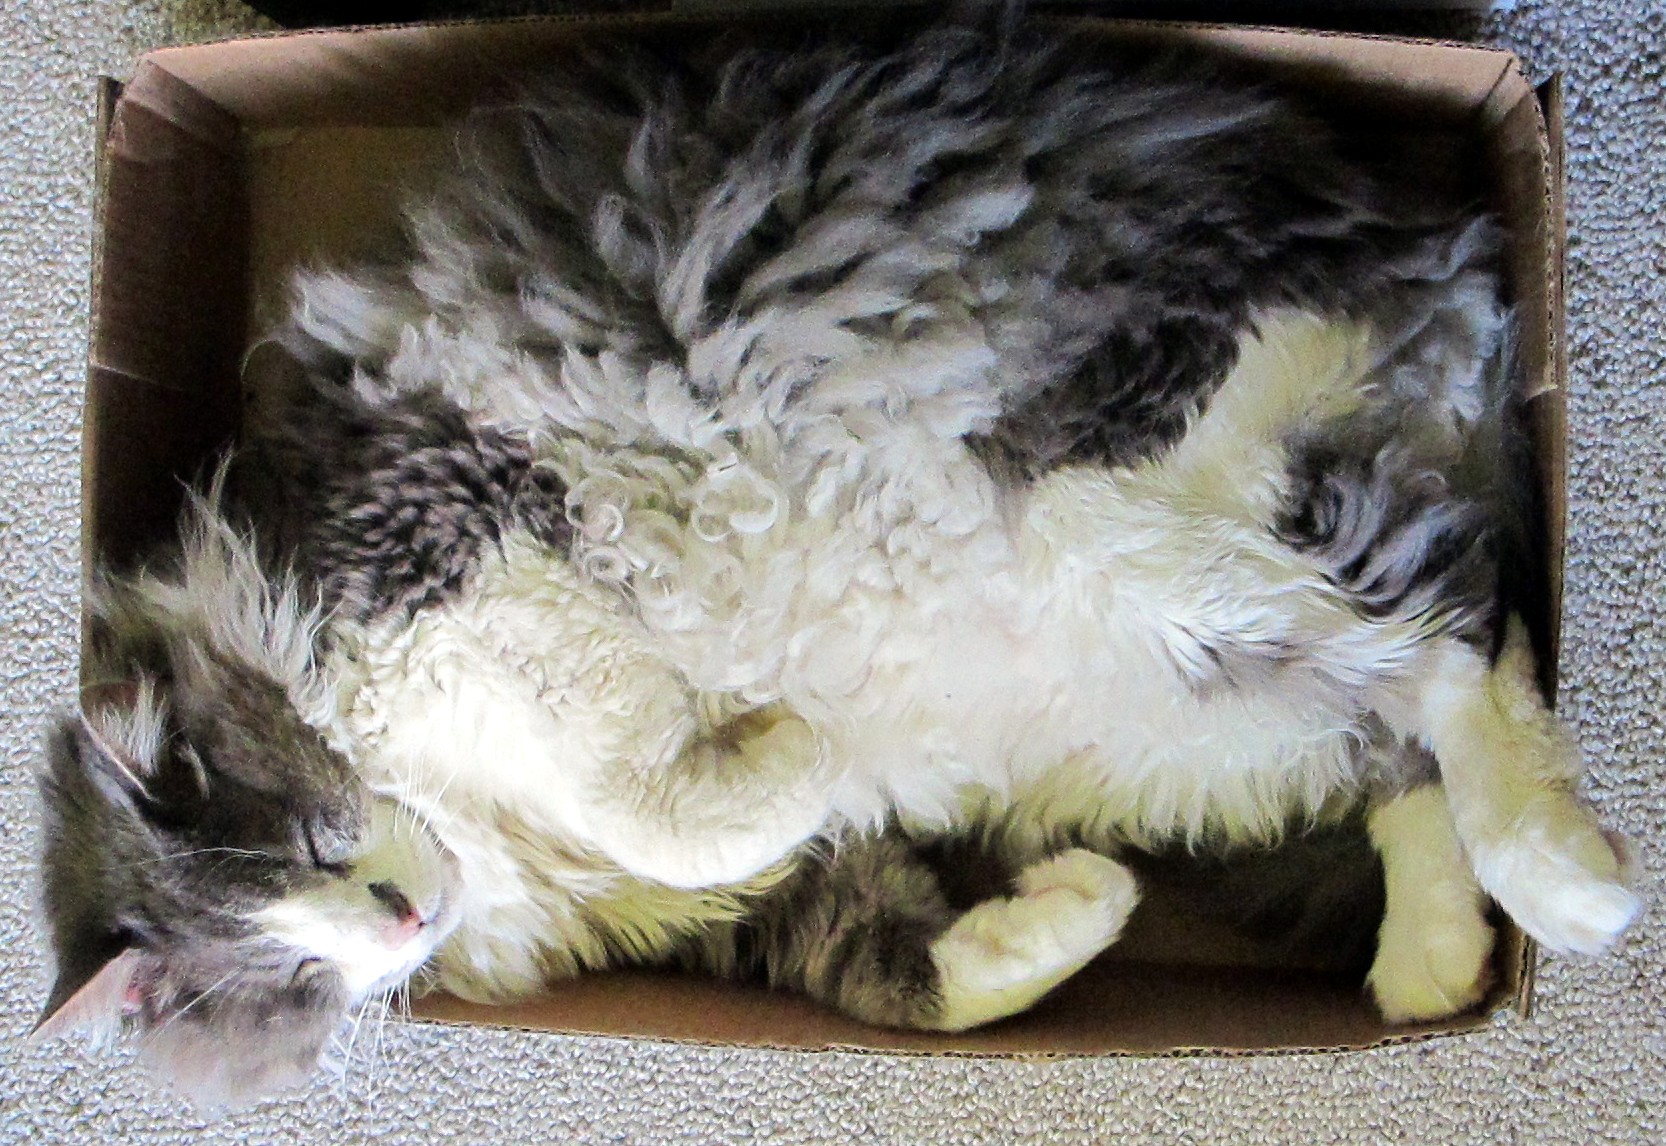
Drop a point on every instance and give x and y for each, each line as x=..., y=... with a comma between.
x=761, y=464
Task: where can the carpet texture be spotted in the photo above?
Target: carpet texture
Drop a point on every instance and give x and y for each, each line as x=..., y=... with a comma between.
x=1590, y=1067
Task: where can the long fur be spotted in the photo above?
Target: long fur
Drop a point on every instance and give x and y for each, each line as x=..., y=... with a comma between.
x=754, y=469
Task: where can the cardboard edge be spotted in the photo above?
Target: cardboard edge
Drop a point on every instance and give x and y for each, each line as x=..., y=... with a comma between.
x=157, y=90
x=107, y=97
x=1466, y=1024
x=665, y=14
x=1549, y=98
x=1549, y=94
x=674, y=13
x=672, y=16
x=1062, y=15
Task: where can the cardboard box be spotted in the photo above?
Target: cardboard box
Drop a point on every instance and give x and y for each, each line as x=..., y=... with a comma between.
x=225, y=163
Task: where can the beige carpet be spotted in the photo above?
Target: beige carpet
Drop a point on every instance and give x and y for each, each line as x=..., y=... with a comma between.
x=1591, y=1067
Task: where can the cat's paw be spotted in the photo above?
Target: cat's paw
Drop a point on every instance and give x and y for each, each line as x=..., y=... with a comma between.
x=1004, y=954
x=739, y=805
x=1436, y=964
x=1559, y=877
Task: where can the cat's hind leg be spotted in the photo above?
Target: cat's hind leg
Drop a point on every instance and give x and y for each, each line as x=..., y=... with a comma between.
x=1510, y=773
x=1435, y=945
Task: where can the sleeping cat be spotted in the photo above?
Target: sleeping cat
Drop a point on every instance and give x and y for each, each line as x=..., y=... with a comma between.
x=762, y=463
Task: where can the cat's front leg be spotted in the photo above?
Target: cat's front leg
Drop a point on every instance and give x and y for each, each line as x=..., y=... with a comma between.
x=733, y=801
x=865, y=926
x=1510, y=774
x=1003, y=955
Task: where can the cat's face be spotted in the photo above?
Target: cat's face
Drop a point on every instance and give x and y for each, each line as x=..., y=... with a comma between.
x=218, y=879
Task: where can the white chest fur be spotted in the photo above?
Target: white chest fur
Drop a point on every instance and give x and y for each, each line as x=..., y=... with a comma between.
x=515, y=694
x=495, y=716
x=1127, y=658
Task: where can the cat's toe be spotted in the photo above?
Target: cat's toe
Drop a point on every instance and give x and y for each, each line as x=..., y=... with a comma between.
x=1433, y=968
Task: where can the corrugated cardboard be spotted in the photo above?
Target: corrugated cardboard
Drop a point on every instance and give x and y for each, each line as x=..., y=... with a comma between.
x=225, y=164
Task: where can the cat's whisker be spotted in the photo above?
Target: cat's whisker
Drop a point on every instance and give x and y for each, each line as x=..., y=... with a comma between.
x=340, y=1050
x=353, y=1038
x=203, y=852
x=437, y=799
x=375, y=1055
x=422, y=979
x=215, y=986
x=418, y=823
x=406, y=814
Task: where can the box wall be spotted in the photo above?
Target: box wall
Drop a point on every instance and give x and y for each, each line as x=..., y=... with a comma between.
x=167, y=325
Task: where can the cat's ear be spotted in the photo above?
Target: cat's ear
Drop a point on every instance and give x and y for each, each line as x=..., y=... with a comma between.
x=91, y=994
x=123, y=724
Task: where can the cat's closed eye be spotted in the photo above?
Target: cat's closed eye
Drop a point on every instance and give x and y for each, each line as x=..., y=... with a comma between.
x=326, y=853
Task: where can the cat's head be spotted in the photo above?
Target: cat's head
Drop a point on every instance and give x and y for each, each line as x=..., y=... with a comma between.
x=218, y=881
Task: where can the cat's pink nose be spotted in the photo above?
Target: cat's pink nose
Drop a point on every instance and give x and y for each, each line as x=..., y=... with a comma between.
x=407, y=919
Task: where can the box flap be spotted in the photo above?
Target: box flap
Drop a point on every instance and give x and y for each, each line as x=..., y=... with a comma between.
x=171, y=270
x=423, y=73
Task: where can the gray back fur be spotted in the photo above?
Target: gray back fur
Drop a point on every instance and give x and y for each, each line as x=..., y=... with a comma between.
x=1110, y=221
x=387, y=503
x=1404, y=506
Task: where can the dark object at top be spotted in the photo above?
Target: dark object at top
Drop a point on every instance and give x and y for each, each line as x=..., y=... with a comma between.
x=1445, y=19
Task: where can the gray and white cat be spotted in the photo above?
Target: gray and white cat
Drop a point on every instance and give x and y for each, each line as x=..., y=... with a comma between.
x=759, y=448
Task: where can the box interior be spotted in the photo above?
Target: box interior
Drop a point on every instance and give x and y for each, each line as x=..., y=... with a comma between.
x=226, y=165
